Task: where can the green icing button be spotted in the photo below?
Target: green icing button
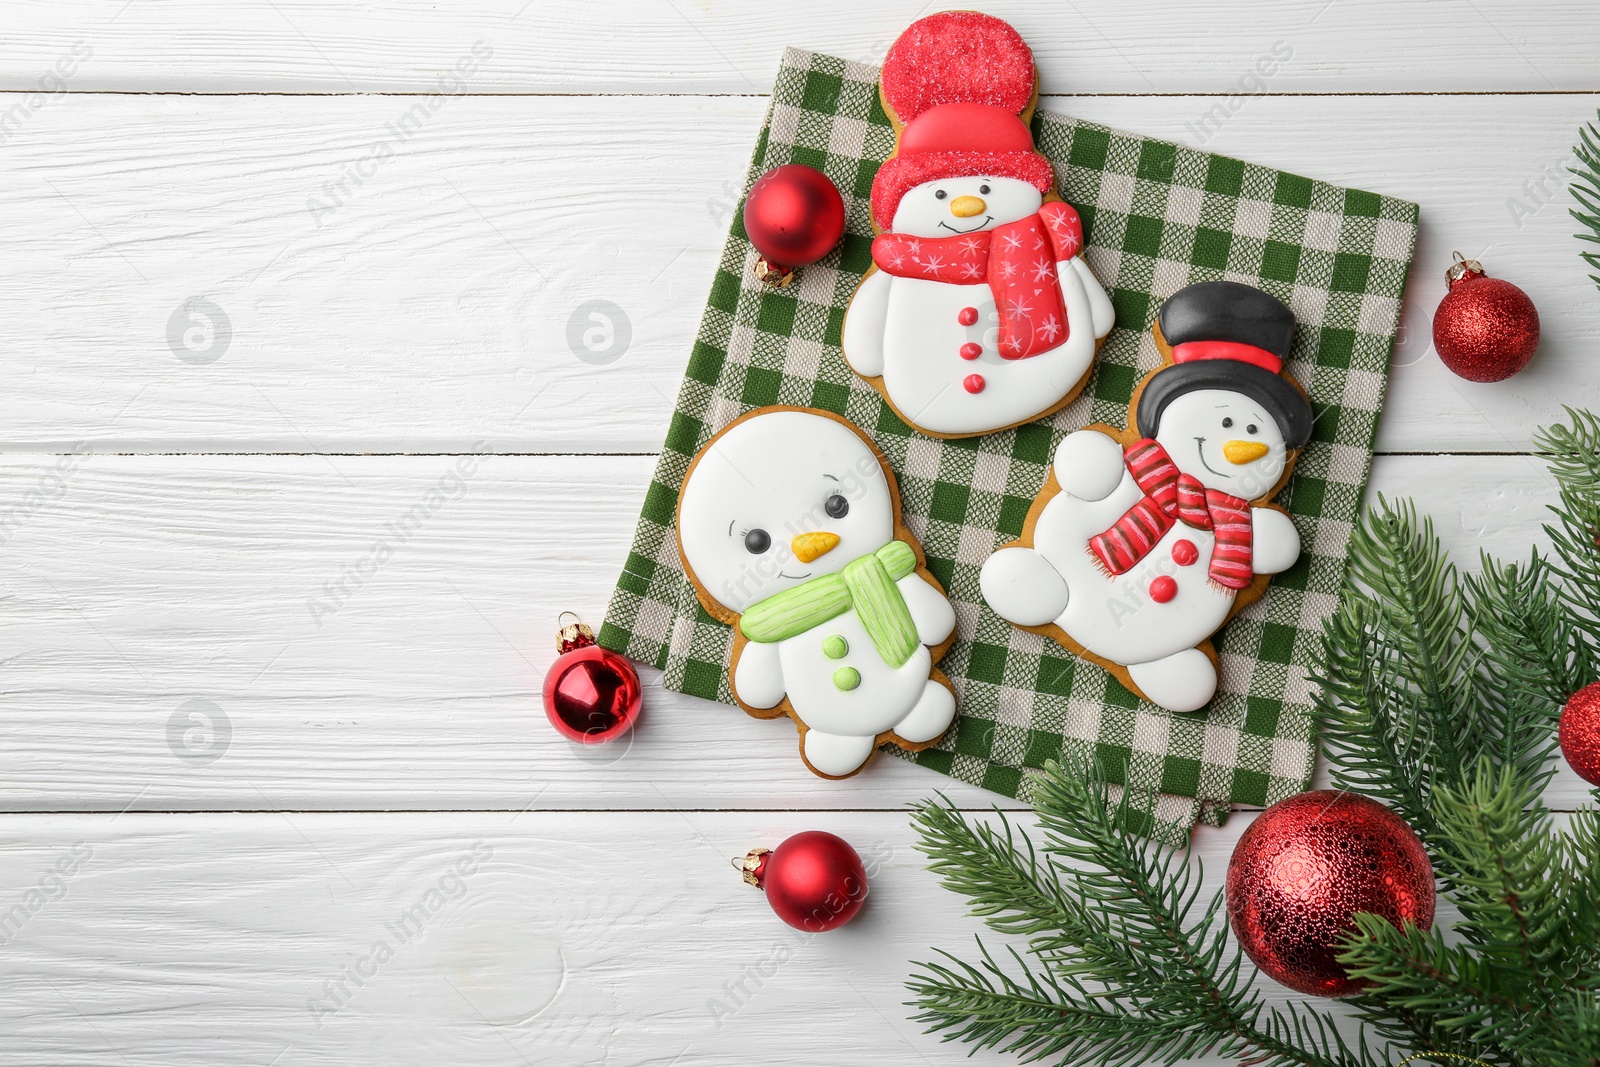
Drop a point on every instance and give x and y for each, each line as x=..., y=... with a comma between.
x=835, y=647
x=846, y=678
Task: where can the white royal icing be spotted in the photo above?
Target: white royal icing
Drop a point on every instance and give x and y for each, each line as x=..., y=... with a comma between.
x=776, y=473
x=907, y=330
x=1114, y=616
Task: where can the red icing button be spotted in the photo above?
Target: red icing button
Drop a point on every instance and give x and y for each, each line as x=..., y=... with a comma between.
x=973, y=383
x=1184, y=553
x=1163, y=589
x=967, y=316
x=971, y=350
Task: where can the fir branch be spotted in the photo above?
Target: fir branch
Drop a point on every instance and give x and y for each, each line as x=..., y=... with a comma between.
x=1573, y=452
x=1135, y=968
x=1586, y=191
x=1400, y=705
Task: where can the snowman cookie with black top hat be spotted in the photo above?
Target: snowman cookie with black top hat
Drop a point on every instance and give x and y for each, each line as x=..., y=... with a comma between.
x=789, y=528
x=1144, y=542
x=979, y=312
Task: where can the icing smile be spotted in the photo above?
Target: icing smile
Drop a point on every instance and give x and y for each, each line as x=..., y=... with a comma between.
x=1200, y=450
x=972, y=229
x=794, y=577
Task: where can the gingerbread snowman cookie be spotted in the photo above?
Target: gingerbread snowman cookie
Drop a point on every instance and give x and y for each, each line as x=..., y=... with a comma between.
x=1143, y=542
x=978, y=313
x=789, y=528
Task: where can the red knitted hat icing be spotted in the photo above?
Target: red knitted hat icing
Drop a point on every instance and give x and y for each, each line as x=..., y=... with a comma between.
x=958, y=80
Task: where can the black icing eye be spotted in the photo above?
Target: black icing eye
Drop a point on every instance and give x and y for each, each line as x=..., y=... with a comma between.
x=984, y=189
x=757, y=541
x=1252, y=429
x=836, y=506
x=940, y=194
x=1226, y=423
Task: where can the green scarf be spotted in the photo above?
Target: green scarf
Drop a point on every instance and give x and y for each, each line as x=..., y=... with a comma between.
x=866, y=584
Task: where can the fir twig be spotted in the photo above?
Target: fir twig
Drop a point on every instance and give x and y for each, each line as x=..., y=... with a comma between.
x=1132, y=967
x=1586, y=191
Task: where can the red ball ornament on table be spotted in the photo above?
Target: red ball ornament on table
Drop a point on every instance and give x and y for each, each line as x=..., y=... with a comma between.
x=813, y=880
x=794, y=216
x=1580, y=733
x=1302, y=871
x=1486, y=328
x=592, y=695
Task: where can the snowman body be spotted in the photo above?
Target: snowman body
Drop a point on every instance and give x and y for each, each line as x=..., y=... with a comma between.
x=1114, y=616
x=1154, y=617
x=786, y=497
x=935, y=345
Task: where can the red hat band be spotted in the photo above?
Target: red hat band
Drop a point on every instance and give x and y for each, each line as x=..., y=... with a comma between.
x=965, y=128
x=1198, y=351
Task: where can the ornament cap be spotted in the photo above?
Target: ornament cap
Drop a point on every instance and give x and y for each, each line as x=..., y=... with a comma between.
x=773, y=275
x=1462, y=269
x=575, y=634
x=754, y=866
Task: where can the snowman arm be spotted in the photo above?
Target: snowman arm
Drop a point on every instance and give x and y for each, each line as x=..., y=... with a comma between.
x=864, y=322
x=1274, y=541
x=758, y=676
x=1023, y=587
x=930, y=610
x=1101, y=313
x=1089, y=465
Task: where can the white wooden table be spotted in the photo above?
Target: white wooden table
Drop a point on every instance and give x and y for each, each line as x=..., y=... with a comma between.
x=217, y=800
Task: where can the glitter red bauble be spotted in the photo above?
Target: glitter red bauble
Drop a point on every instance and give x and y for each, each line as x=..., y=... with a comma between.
x=794, y=216
x=592, y=695
x=814, y=880
x=1302, y=871
x=1580, y=733
x=1486, y=328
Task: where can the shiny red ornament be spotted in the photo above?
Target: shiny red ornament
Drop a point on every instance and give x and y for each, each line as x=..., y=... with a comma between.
x=794, y=216
x=592, y=695
x=1486, y=328
x=813, y=880
x=1305, y=867
x=1580, y=733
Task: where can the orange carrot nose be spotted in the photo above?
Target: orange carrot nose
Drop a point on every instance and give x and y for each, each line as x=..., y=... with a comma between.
x=810, y=546
x=1244, y=451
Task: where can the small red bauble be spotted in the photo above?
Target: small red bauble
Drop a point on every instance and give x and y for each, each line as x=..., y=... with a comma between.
x=592, y=695
x=1163, y=589
x=794, y=216
x=814, y=880
x=1580, y=733
x=1486, y=328
x=1302, y=871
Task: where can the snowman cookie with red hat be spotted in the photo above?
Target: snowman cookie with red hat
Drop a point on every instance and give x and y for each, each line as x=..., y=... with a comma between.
x=979, y=312
x=1143, y=542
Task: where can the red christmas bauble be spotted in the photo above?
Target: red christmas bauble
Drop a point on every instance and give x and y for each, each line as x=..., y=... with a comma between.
x=592, y=695
x=1580, y=733
x=794, y=216
x=814, y=880
x=1486, y=328
x=1305, y=867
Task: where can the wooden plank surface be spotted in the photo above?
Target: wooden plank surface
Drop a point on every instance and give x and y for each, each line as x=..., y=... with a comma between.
x=422, y=306
x=723, y=46
x=180, y=637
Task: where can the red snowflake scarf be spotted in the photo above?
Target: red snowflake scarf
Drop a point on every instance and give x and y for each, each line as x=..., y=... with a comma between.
x=1171, y=497
x=1018, y=260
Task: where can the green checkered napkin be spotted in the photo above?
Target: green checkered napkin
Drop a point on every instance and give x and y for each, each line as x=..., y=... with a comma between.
x=1158, y=216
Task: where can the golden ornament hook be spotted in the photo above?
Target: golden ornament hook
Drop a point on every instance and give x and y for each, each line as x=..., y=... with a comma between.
x=1441, y=1055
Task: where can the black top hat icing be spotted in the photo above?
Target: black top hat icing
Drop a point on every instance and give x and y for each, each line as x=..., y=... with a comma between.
x=1225, y=335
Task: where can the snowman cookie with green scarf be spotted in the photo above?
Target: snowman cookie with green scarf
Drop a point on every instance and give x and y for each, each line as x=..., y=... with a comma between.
x=789, y=529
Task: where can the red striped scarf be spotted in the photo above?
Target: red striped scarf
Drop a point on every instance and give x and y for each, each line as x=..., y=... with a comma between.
x=1018, y=260
x=1169, y=497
